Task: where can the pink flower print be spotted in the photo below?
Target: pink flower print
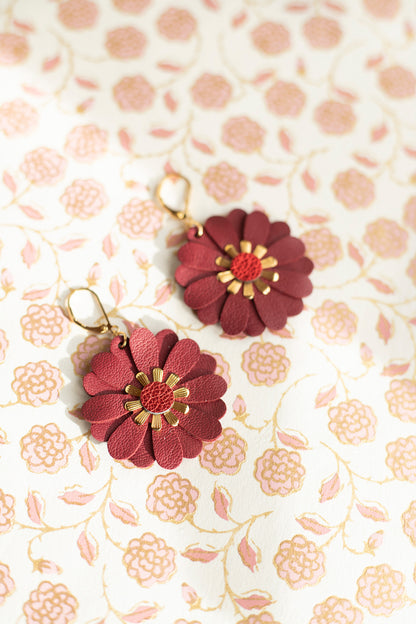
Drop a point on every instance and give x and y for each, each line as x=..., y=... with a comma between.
x=211, y=91
x=386, y=238
x=78, y=14
x=149, y=560
x=43, y=166
x=45, y=449
x=265, y=364
x=86, y=143
x=224, y=183
x=37, y=383
x=134, y=93
x=176, y=24
x=17, y=117
x=397, y=82
x=335, y=117
x=225, y=455
x=13, y=49
x=243, y=134
x=125, y=43
x=271, y=38
x=285, y=99
x=322, y=33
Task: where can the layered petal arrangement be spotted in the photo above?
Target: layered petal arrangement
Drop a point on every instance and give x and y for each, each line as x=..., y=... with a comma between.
x=244, y=272
x=156, y=399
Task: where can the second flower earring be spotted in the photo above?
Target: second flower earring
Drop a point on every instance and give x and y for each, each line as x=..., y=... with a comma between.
x=242, y=270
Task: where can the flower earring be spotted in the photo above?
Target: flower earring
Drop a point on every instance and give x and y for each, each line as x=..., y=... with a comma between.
x=242, y=270
x=153, y=397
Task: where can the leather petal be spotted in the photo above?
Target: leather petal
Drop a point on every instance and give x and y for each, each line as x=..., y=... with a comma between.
x=199, y=257
x=214, y=409
x=293, y=305
x=271, y=310
x=303, y=265
x=111, y=370
x=255, y=325
x=256, y=228
x=191, y=447
x=93, y=385
x=293, y=284
x=237, y=217
x=234, y=314
x=287, y=250
x=122, y=354
x=101, y=431
x=222, y=232
x=144, y=349
x=126, y=439
x=201, y=425
x=278, y=230
x=185, y=275
x=206, y=388
x=166, y=340
x=182, y=358
x=144, y=456
x=104, y=407
x=201, y=293
x=204, y=240
x=205, y=365
x=166, y=446
x=211, y=313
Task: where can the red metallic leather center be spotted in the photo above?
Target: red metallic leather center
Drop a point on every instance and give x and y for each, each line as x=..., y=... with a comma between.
x=246, y=267
x=157, y=397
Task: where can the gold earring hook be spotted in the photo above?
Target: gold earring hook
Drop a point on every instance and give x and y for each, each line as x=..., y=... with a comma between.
x=98, y=329
x=182, y=215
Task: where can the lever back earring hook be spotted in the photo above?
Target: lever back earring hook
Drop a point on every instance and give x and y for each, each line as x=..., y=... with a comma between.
x=182, y=215
x=98, y=329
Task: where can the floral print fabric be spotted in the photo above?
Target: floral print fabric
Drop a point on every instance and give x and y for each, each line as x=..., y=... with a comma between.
x=304, y=509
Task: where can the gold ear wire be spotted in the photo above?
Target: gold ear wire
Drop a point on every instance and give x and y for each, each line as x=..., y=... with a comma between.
x=182, y=215
x=98, y=329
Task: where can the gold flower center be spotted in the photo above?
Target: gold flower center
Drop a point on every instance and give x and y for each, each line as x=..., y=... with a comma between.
x=156, y=398
x=246, y=268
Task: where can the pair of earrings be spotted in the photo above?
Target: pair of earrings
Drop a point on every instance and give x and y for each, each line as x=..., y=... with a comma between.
x=157, y=398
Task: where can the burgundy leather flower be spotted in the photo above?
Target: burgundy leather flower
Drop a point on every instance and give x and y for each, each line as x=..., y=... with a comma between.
x=244, y=272
x=156, y=399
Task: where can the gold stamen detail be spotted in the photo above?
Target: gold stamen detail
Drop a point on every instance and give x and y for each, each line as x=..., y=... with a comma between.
x=223, y=262
x=172, y=419
x=156, y=421
x=245, y=246
x=131, y=406
x=262, y=286
x=268, y=263
x=172, y=380
x=181, y=407
x=143, y=378
x=260, y=251
x=133, y=390
x=157, y=374
x=234, y=287
x=248, y=290
x=225, y=276
x=181, y=393
x=141, y=417
x=270, y=275
x=231, y=250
